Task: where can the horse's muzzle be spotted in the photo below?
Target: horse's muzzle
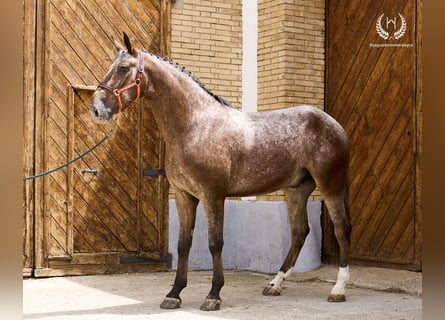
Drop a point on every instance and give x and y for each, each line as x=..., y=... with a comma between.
x=100, y=114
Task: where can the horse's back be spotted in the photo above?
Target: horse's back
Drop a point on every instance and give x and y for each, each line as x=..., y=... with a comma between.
x=305, y=125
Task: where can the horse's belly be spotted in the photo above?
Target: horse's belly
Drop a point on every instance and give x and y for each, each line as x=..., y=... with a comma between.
x=260, y=180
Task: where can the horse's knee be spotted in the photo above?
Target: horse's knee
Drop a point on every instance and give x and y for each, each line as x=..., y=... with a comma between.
x=184, y=245
x=215, y=246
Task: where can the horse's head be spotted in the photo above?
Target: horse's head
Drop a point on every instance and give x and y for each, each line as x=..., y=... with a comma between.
x=124, y=83
x=135, y=74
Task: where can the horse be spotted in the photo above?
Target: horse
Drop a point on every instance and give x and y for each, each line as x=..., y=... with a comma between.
x=214, y=151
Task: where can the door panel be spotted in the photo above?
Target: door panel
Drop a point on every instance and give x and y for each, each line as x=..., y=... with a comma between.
x=97, y=213
x=372, y=91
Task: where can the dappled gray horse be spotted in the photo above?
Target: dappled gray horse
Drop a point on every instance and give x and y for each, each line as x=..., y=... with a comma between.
x=214, y=151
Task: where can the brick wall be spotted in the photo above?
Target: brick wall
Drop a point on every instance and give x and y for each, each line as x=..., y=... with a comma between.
x=206, y=38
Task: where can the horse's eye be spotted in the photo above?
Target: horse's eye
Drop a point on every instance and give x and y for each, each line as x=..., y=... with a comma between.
x=122, y=70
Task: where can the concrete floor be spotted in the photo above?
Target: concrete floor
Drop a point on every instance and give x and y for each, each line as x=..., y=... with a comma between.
x=372, y=293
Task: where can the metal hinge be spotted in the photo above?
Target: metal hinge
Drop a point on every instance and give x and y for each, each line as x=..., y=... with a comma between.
x=153, y=172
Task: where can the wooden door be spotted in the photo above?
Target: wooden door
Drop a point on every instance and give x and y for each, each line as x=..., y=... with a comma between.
x=373, y=90
x=100, y=214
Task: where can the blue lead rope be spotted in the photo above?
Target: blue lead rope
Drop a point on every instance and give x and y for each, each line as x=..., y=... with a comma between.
x=73, y=160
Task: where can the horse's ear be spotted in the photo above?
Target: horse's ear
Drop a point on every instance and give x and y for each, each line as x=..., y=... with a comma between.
x=128, y=44
x=118, y=45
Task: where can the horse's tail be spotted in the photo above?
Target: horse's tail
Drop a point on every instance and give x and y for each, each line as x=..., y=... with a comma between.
x=346, y=202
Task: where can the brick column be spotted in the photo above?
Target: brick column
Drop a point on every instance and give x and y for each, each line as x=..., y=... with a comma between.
x=207, y=39
x=291, y=48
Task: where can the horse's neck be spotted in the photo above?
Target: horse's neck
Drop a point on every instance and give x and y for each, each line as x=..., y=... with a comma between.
x=176, y=102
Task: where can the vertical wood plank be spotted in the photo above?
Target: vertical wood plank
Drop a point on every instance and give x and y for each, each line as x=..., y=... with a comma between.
x=165, y=27
x=42, y=77
x=418, y=112
x=29, y=64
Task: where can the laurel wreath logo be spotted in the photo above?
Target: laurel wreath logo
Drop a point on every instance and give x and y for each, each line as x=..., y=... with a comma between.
x=399, y=33
x=385, y=34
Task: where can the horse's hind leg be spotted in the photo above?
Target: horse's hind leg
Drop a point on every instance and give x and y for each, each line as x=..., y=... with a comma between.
x=339, y=213
x=186, y=205
x=296, y=205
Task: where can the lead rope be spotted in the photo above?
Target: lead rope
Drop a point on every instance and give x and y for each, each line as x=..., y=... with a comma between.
x=73, y=160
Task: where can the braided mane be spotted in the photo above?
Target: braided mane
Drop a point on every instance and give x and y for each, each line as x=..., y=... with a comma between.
x=195, y=79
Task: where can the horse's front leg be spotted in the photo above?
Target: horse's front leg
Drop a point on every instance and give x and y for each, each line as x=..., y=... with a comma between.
x=215, y=220
x=186, y=205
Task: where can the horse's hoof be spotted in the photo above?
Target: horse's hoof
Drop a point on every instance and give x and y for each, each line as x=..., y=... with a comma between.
x=336, y=298
x=271, y=291
x=170, y=303
x=211, y=305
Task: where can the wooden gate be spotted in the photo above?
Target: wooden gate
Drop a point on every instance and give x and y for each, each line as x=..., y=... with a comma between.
x=373, y=89
x=100, y=214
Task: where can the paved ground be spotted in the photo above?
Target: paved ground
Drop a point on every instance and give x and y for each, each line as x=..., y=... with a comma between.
x=373, y=293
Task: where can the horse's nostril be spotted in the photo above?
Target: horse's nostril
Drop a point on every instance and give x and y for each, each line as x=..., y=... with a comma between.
x=96, y=113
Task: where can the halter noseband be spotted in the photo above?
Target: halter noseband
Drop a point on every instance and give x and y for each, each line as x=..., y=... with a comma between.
x=136, y=83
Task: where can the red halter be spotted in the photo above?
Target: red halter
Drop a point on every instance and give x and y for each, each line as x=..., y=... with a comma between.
x=136, y=83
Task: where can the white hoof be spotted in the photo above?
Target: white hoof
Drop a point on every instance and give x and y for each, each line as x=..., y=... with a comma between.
x=338, y=291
